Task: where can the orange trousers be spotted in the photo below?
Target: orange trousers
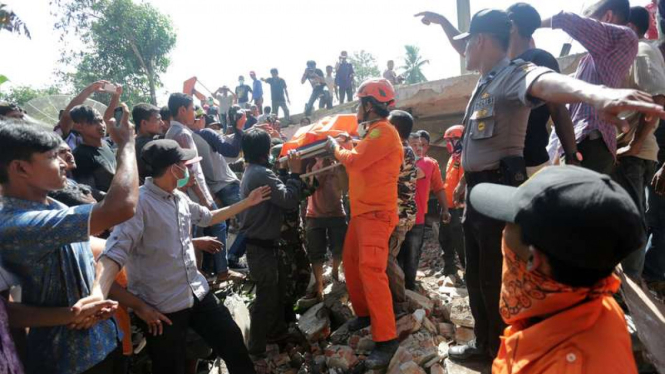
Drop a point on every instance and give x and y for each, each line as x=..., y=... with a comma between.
x=365, y=261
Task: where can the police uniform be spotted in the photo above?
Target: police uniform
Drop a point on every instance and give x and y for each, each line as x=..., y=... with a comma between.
x=495, y=128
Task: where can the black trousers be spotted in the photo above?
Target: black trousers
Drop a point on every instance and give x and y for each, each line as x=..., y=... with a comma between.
x=451, y=239
x=213, y=322
x=268, y=312
x=409, y=255
x=114, y=363
x=484, y=262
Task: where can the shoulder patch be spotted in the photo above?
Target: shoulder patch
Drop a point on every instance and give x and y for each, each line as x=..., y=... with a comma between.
x=374, y=134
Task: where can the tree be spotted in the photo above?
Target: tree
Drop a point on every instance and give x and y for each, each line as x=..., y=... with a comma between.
x=11, y=22
x=22, y=94
x=364, y=65
x=127, y=43
x=413, y=63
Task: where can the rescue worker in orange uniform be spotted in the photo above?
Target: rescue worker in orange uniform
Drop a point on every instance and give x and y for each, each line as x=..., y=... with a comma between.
x=567, y=228
x=373, y=167
x=451, y=234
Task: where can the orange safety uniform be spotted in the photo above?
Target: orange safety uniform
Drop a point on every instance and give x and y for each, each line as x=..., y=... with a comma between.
x=454, y=172
x=560, y=329
x=373, y=168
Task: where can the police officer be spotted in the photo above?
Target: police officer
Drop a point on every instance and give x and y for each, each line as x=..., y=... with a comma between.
x=495, y=128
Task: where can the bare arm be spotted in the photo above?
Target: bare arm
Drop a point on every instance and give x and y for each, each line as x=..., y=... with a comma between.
x=450, y=30
x=557, y=88
x=565, y=130
x=115, y=100
x=257, y=196
x=122, y=197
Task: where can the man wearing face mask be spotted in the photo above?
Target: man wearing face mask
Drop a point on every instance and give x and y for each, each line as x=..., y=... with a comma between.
x=492, y=150
x=373, y=167
x=559, y=253
x=156, y=248
x=242, y=93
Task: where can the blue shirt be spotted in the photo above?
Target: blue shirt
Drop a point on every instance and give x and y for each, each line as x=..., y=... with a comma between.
x=47, y=248
x=257, y=89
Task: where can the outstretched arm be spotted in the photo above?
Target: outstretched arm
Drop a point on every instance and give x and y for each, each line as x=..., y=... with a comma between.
x=557, y=88
x=450, y=30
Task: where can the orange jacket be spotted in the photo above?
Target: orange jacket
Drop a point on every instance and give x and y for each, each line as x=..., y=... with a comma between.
x=373, y=167
x=454, y=173
x=590, y=338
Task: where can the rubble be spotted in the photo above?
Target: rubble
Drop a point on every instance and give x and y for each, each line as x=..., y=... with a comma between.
x=315, y=323
x=460, y=312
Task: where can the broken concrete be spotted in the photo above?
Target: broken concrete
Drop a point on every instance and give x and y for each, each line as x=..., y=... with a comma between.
x=315, y=323
x=460, y=312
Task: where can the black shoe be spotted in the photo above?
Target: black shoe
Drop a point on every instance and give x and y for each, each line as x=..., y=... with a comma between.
x=359, y=323
x=381, y=355
x=468, y=352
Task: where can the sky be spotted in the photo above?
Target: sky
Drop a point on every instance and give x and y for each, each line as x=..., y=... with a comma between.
x=218, y=40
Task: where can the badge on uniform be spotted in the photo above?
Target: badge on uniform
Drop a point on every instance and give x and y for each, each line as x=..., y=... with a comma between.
x=374, y=134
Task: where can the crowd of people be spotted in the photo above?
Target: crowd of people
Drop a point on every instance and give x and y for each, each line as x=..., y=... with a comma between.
x=127, y=213
x=335, y=85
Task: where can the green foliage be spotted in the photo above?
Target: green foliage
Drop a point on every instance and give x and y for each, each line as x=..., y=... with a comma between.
x=364, y=65
x=22, y=94
x=11, y=22
x=413, y=63
x=128, y=44
x=3, y=79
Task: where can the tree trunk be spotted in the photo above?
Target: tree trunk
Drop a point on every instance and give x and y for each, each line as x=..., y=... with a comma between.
x=151, y=82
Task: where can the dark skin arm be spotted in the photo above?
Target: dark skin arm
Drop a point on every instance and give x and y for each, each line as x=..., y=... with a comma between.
x=115, y=100
x=565, y=130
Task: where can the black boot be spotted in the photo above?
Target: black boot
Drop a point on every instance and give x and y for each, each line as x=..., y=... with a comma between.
x=359, y=323
x=381, y=355
x=468, y=352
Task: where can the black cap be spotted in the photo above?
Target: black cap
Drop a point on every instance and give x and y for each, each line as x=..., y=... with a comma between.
x=162, y=153
x=490, y=21
x=573, y=214
x=525, y=17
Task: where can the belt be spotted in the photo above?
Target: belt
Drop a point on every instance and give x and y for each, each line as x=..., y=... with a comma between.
x=485, y=176
x=262, y=243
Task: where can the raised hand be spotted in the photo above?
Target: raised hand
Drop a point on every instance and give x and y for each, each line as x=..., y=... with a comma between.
x=122, y=133
x=430, y=17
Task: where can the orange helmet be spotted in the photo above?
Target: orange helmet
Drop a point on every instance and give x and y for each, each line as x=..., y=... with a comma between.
x=454, y=132
x=379, y=89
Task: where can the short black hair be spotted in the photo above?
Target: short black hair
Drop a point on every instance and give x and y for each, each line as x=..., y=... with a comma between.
x=165, y=113
x=274, y=70
x=640, y=18
x=143, y=112
x=178, y=100
x=19, y=140
x=256, y=145
x=403, y=122
x=525, y=18
x=620, y=8
x=6, y=108
x=424, y=135
x=84, y=114
x=267, y=110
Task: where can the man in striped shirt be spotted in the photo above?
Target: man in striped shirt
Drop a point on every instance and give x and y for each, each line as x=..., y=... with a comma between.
x=612, y=49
